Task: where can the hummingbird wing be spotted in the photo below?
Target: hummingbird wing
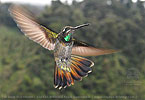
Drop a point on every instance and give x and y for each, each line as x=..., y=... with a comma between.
x=25, y=21
x=83, y=49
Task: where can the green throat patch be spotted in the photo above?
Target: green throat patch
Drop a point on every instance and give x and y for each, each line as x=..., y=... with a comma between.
x=67, y=38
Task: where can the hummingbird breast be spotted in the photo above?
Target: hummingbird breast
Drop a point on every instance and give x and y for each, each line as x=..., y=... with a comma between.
x=62, y=54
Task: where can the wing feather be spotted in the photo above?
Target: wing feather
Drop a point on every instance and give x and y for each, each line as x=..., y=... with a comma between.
x=83, y=49
x=31, y=28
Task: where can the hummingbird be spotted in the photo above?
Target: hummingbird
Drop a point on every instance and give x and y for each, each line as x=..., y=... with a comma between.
x=70, y=65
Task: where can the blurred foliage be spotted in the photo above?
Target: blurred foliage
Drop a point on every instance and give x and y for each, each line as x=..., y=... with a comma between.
x=26, y=69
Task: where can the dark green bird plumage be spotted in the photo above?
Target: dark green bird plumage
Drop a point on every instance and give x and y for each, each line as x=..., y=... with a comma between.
x=67, y=50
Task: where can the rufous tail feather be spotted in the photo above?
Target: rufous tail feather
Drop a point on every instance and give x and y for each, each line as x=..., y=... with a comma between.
x=79, y=68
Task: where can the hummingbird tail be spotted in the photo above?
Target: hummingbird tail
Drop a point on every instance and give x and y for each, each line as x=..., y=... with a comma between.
x=65, y=76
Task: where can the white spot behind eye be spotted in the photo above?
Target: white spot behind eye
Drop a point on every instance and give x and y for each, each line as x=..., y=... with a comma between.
x=63, y=29
x=68, y=31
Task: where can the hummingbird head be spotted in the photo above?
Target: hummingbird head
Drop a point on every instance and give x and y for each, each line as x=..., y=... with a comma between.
x=68, y=31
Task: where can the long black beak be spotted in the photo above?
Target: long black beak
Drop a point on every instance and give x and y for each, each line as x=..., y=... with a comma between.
x=80, y=26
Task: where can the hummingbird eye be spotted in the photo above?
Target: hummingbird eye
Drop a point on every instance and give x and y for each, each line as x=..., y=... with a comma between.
x=65, y=29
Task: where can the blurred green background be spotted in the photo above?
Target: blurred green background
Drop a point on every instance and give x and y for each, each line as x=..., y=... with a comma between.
x=26, y=69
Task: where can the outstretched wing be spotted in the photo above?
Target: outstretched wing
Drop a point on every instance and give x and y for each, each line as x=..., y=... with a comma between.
x=31, y=28
x=83, y=49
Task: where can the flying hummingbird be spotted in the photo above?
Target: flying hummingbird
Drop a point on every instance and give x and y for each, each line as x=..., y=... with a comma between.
x=69, y=65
